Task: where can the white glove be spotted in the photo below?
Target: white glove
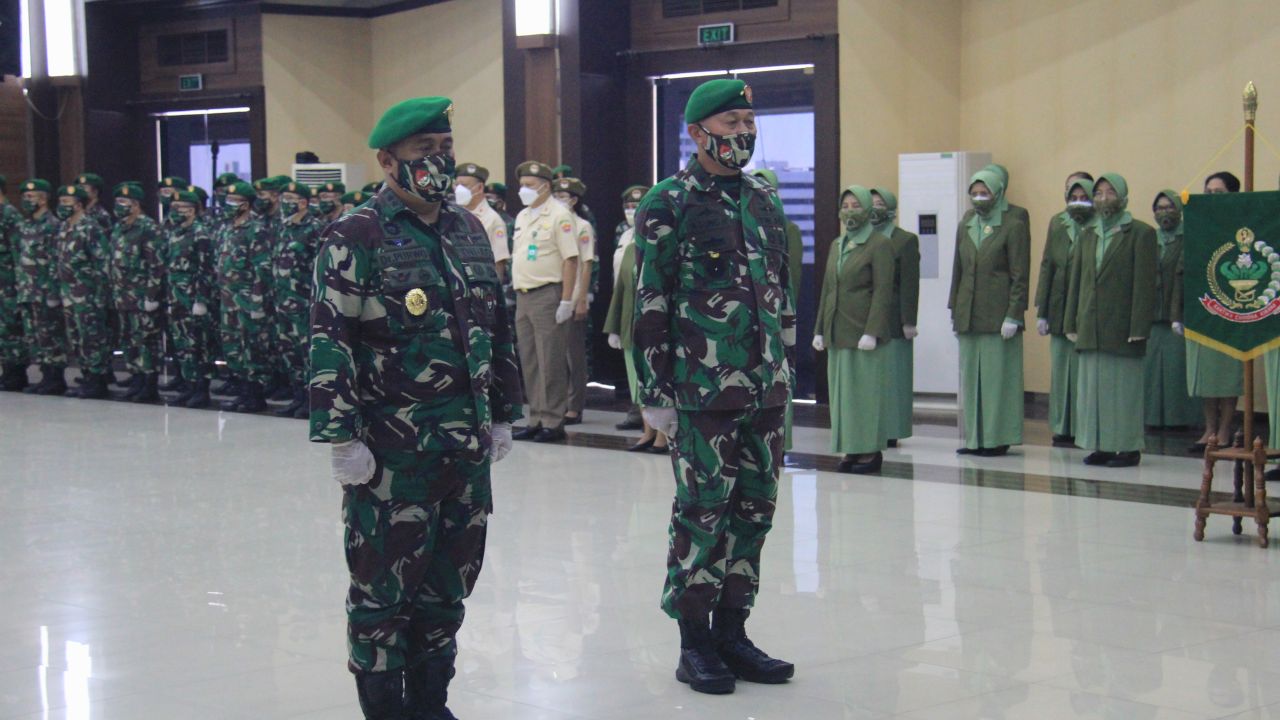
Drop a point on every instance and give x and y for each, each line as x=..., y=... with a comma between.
x=257, y=315
x=52, y=303
x=500, y=441
x=150, y=305
x=1008, y=329
x=819, y=343
x=564, y=311
x=1042, y=327
x=591, y=297
x=199, y=309
x=1136, y=339
x=867, y=342
x=1177, y=329
x=351, y=462
x=615, y=341
x=910, y=332
x=662, y=419
x=1072, y=336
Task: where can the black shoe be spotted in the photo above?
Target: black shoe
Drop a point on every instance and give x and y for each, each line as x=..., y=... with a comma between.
x=304, y=410
x=969, y=451
x=550, y=435
x=382, y=695
x=14, y=378
x=252, y=401
x=741, y=656
x=1197, y=448
x=893, y=443
x=869, y=467
x=1272, y=475
x=846, y=464
x=284, y=392
x=147, y=393
x=1099, y=458
x=576, y=420
x=700, y=667
x=93, y=387
x=1064, y=441
x=199, y=397
x=526, y=433
x=1125, y=459
x=230, y=386
x=426, y=689
x=299, y=400
x=53, y=380
x=643, y=445
x=664, y=450
x=175, y=384
x=135, y=385
x=993, y=452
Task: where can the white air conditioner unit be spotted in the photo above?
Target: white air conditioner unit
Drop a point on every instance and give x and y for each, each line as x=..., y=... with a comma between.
x=314, y=174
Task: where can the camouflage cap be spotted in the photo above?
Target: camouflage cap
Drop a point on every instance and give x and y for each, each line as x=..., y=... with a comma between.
x=74, y=191
x=335, y=187
x=717, y=96
x=475, y=171
x=573, y=186
x=533, y=168
x=93, y=180
x=172, y=181
x=243, y=189
x=635, y=193
x=130, y=189
x=37, y=185
x=412, y=116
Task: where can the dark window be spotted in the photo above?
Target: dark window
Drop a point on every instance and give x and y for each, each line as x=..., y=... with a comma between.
x=687, y=8
x=681, y=8
x=200, y=48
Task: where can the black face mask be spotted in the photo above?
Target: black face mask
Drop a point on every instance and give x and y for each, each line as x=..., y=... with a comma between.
x=122, y=210
x=327, y=207
x=430, y=177
x=262, y=205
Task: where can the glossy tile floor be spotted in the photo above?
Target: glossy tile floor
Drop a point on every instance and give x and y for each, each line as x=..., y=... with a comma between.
x=187, y=565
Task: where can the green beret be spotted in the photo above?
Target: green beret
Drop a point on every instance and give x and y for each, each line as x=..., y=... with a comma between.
x=372, y=187
x=297, y=188
x=92, y=180
x=188, y=196
x=533, y=168
x=37, y=185
x=573, y=186
x=496, y=188
x=416, y=115
x=473, y=170
x=334, y=187
x=243, y=189
x=768, y=176
x=355, y=198
x=717, y=96
x=131, y=189
x=74, y=191
x=635, y=193
x=225, y=179
x=315, y=192
x=561, y=171
x=201, y=195
x=275, y=183
x=173, y=181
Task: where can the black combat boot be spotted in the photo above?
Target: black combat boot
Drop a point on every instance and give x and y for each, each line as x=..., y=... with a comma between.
x=426, y=689
x=252, y=400
x=700, y=667
x=199, y=397
x=148, y=392
x=53, y=380
x=184, y=394
x=135, y=384
x=304, y=410
x=175, y=384
x=14, y=378
x=230, y=386
x=382, y=695
x=93, y=387
x=741, y=655
x=298, y=400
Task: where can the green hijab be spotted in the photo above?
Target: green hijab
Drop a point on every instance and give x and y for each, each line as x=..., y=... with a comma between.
x=859, y=236
x=1002, y=202
x=891, y=204
x=1109, y=228
x=978, y=226
x=1167, y=236
x=1073, y=227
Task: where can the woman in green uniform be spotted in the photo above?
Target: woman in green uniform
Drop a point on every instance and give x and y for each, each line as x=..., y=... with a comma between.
x=902, y=314
x=1051, y=301
x=1215, y=378
x=853, y=320
x=988, y=300
x=1110, y=304
x=1167, y=402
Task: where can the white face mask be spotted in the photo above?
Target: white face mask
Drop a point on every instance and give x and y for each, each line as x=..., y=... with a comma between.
x=630, y=214
x=528, y=195
x=462, y=195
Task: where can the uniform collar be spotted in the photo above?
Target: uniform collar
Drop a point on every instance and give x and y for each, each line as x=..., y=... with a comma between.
x=390, y=205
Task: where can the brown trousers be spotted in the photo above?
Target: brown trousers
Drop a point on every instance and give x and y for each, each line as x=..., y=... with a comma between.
x=542, y=355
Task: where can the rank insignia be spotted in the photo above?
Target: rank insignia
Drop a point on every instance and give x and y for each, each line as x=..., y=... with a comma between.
x=415, y=301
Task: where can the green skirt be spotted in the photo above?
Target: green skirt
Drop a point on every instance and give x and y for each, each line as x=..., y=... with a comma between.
x=991, y=395
x=1271, y=362
x=633, y=381
x=1109, y=403
x=856, y=381
x=1210, y=374
x=1165, y=370
x=901, y=388
x=1064, y=367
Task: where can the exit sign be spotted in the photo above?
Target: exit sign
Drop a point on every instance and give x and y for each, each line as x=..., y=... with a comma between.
x=719, y=34
x=189, y=83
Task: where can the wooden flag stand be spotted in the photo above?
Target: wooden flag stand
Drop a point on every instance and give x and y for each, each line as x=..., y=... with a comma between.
x=1249, y=453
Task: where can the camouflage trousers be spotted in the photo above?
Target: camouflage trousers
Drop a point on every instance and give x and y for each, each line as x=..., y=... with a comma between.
x=293, y=329
x=213, y=331
x=45, y=330
x=13, y=343
x=726, y=466
x=414, y=538
x=140, y=340
x=190, y=335
x=87, y=337
x=231, y=347
x=253, y=347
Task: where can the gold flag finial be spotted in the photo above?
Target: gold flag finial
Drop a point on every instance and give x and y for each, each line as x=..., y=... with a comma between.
x=1250, y=102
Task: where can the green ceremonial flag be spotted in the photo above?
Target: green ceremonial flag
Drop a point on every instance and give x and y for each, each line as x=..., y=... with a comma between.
x=1231, y=291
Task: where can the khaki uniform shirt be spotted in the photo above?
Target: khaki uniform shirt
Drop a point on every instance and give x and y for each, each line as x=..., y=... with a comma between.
x=586, y=253
x=545, y=237
x=496, y=228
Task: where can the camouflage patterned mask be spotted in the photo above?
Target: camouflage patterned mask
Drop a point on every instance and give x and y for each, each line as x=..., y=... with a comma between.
x=327, y=207
x=854, y=219
x=122, y=210
x=730, y=151
x=430, y=178
x=1080, y=211
x=880, y=216
x=1109, y=207
x=290, y=208
x=30, y=207
x=1168, y=220
x=65, y=211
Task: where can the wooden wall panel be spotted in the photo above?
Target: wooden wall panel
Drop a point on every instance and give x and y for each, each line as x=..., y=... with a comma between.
x=789, y=20
x=242, y=69
x=13, y=131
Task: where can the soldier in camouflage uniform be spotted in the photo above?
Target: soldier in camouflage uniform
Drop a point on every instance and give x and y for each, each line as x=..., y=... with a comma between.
x=83, y=286
x=267, y=207
x=712, y=333
x=330, y=202
x=137, y=287
x=292, y=267
x=39, y=300
x=244, y=276
x=190, y=286
x=353, y=200
x=214, y=220
x=93, y=184
x=13, y=345
x=414, y=382
x=166, y=190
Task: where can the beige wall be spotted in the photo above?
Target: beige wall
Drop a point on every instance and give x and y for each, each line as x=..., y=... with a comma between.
x=452, y=49
x=1147, y=88
x=318, y=94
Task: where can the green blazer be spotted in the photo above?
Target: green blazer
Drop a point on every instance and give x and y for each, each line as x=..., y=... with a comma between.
x=795, y=260
x=989, y=284
x=857, y=299
x=1055, y=269
x=622, y=306
x=905, y=309
x=1169, y=281
x=1109, y=303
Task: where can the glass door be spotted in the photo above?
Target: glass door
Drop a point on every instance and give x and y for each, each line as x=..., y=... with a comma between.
x=200, y=145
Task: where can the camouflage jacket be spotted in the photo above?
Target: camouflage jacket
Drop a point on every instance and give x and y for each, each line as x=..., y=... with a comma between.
x=9, y=219
x=189, y=268
x=37, y=259
x=293, y=265
x=244, y=264
x=82, y=279
x=137, y=264
x=713, y=316
x=99, y=214
x=411, y=347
